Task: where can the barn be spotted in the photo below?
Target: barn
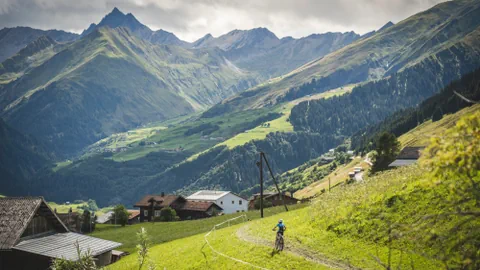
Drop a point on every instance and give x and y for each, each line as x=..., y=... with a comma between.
x=32, y=235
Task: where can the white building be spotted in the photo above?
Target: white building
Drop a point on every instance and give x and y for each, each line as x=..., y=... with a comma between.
x=231, y=203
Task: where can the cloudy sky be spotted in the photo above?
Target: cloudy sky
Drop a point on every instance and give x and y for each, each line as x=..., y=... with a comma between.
x=192, y=19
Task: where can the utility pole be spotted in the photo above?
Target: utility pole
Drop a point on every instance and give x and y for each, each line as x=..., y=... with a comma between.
x=275, y=181
x=260, y=166
x=261, y=184
x=328, y=184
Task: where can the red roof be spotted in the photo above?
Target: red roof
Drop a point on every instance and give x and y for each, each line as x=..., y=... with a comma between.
x=161, y=201
x=133, y=213
x=198, y=206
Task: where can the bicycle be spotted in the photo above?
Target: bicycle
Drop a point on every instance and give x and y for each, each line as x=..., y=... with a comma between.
x=279, y=242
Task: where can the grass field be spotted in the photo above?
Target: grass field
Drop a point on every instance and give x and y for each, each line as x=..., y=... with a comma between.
x=64, y=208
x=280, y=124
x=307, y=229
x=338, y=176
x=173, y=138
x=420, y=136
x=161, y=232
x=192, y=253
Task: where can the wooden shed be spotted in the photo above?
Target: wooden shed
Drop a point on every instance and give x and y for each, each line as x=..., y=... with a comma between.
x=31, y=235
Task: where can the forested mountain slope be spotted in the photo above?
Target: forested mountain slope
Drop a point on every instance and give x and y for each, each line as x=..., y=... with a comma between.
x=110, y=81
x=443, y=37
x=220, y=168
x=20, y=158
x=14, y=39
x=433, y=108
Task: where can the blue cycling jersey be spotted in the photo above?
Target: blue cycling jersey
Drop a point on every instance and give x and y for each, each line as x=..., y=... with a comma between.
x=281, y=227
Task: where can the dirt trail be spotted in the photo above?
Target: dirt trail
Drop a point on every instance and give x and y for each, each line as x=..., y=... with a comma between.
x=302, y=252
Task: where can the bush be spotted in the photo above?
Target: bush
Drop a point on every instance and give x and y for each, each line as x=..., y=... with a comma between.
x=168, y=214
x=120, y=215
x=266, y=204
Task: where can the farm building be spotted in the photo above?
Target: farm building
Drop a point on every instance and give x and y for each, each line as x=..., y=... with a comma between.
x=32, y=235
x=108, y=217
x=72, y=220
x=230, y=202
x=407, y=156
x=274, y=198
x=151, y=206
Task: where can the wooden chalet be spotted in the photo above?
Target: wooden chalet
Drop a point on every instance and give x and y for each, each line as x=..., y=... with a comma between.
x=274, y=197
x=407, y=156
x=32, y=235
x=151, y=205
x=72, y=220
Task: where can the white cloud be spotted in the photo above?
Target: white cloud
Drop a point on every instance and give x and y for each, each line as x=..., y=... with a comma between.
x=191, y=20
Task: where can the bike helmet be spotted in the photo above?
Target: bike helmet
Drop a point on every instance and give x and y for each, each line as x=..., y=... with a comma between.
x=280, y=221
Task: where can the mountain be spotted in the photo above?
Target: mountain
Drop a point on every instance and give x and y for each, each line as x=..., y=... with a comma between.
x=33, y=55
x=109, y=81
x=262, y=51
x=14, y=39
x=433, y=108
x=257, y=49
x=20, y=158
x=293, y=53
x=116, y=19
x=384, y=27
x=443, y=36
x=240, y=40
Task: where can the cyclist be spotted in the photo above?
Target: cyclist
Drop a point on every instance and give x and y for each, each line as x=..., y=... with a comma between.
x=281, y=227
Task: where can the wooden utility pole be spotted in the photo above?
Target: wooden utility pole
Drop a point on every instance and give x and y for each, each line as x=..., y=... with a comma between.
x=329, y=184
x=261, y=184
x=260, y=165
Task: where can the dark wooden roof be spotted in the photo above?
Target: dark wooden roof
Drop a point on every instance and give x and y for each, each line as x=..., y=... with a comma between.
x=201, y=206
x=16, y=214
x=268, y=195
x=410, y=153
x=159, y=200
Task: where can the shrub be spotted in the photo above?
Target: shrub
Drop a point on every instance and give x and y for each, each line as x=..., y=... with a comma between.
x=266, y=204
x=168, y=214
x=120, y=215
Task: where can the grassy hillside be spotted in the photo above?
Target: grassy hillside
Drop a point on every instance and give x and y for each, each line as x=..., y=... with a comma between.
x=192, y=253
x=421, y=135
x=410, y=217
x=115, y=81
x=161, y=232
x=335, y=178
x=12, y=40
x=423, y=41
x=33, y=55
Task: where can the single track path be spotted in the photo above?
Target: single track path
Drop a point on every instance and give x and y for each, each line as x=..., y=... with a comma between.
x=309, y=255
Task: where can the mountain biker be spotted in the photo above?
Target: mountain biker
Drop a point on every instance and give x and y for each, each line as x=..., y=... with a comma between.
x=281, y=227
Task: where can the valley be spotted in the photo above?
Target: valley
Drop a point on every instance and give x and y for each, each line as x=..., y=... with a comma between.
x=370, y=140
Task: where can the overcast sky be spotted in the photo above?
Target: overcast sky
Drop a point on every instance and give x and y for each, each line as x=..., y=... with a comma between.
x=190, y=20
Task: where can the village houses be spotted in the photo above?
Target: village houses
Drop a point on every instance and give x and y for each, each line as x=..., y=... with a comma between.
x=230, y=202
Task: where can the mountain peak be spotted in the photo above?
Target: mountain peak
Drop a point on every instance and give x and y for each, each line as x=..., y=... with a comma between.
x=115, y=10
x=387, y=25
